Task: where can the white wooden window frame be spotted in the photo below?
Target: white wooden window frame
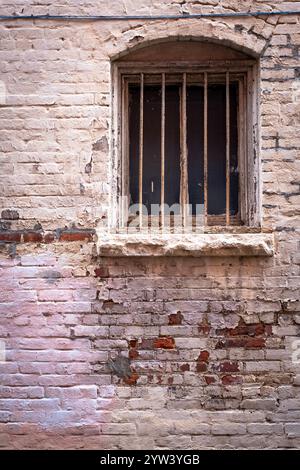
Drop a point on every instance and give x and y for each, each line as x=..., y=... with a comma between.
x=248, y=130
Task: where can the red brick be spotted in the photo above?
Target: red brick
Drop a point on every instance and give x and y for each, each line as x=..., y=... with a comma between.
x=49, y=237
x=229, y=366
x=204, y=327
x=133, y=354
x=203, y=356
x=243, y=329
x=201, y=366
x=255, y=343
x=7, y=236
x=33, y=237
x=164, y=342
x=101, y=272
x=209, y=379
x=175, y=318
x=241, y=342
x=75, y=235
x=230, y=343
x=231, y=380
x=132, y=379
x=185, y=367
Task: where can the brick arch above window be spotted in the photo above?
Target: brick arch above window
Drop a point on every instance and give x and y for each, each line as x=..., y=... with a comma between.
x=183, y=50
x=243, y=38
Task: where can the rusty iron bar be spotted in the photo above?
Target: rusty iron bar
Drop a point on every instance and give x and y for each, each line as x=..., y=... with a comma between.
x=162, y=147
x=205, y=147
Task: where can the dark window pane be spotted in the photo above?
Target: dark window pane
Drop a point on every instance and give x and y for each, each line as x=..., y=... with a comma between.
x=234, y=175
x=216, y=133
x=172, y=151
x=195, y=97
x=152, y=160
x=216, y=149
x=152, y=142
x=134, y=115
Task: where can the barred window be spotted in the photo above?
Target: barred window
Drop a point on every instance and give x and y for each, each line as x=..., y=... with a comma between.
x=186, y=139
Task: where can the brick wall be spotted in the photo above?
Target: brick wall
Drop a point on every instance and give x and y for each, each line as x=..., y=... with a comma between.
x=150, y=352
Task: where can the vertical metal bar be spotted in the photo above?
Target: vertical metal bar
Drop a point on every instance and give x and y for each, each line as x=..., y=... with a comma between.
x=227, y=150
x=205, y=148
x=162, y=148
x=141, y=149
x=183, y=155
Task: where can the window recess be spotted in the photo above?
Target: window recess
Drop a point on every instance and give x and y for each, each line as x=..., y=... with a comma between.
x=185, y=137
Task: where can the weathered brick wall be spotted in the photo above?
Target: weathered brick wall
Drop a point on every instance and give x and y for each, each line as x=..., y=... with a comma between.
x=209, y=341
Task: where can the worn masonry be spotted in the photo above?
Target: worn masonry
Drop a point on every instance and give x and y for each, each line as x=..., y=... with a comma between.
x=123, y=351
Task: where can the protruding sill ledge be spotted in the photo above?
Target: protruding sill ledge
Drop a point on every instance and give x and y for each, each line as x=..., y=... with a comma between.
x=225, y=244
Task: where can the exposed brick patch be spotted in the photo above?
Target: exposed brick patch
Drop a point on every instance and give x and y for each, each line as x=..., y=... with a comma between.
x=252, y=336
x=204, y=327
x=164, y=342
x=101, y=271
x=33, y=237
x=201, y=366
x=243, y=329
x=229, y=366
x=255, y=343
x=244, y=342
x=133, y=354
x=132, y=379
x=175, y=318
x=202, y=360
x=231, y=379
x=76, y=235
x=49, y=237
x=37, y=236
x=209, y=379
x=10, y=236
x=203, y=356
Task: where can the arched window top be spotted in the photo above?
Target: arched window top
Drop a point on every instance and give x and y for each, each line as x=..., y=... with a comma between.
x=183, y=51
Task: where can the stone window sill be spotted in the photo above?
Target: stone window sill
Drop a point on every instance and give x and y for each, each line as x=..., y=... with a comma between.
x=195, y=245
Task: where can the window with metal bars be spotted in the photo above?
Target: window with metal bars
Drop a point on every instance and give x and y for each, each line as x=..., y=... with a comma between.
x=185, y=143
